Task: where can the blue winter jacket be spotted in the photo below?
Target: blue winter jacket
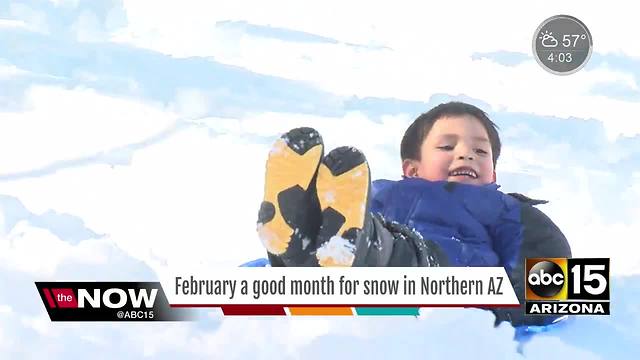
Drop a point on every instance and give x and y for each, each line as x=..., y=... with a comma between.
x=474, y=225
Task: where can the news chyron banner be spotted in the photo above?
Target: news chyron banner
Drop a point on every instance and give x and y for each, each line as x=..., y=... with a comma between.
x=279, y=291
x=339, y=291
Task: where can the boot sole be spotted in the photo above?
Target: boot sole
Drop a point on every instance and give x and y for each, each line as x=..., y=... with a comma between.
x=343, y=186
x=291, y=168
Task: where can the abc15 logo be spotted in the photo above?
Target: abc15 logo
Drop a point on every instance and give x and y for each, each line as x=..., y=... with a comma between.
x=567, y=279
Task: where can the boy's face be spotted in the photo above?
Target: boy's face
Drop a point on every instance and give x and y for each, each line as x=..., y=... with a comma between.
x=456, y=149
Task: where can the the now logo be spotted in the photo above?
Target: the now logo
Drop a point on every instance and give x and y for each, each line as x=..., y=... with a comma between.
x=115, y=298
x=107, y=301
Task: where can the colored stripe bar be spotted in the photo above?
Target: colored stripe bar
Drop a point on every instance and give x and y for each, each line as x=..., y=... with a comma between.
x=47, y=294
x=344, y=311
x=272, y=310
x=388, y=311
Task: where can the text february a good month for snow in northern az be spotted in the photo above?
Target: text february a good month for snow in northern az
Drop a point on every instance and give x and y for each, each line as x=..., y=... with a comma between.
x=299, y=286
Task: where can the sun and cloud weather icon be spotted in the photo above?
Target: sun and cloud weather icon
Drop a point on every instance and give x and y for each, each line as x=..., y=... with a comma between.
x=548, y=40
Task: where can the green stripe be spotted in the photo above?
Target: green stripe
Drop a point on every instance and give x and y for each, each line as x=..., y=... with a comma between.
x=388, y=311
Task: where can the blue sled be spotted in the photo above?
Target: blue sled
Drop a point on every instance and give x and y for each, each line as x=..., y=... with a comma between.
x=256, y=263
x=525, y=333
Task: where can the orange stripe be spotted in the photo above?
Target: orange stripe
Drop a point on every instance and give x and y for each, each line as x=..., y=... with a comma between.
x=321, y=311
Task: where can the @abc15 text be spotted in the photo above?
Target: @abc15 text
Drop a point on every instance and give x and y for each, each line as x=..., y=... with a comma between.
x=565, y=286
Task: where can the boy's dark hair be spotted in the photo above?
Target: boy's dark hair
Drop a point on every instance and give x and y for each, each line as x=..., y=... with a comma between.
x=417, y=132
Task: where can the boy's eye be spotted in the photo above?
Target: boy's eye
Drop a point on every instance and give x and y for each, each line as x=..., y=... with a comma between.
x=480, y=151
x=445, y=147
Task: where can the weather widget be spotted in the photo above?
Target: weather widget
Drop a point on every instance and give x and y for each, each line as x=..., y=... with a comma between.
x=562, y=45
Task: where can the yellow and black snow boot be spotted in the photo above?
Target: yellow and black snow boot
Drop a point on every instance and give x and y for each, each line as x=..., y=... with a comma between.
x=289, y=216
x=343, y=187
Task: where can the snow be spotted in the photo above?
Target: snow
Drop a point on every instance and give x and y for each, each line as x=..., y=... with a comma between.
x=135, y=138
x=337, y=250
x=305, y=242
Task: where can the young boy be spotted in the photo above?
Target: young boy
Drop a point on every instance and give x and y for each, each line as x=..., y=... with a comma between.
x=446, y=210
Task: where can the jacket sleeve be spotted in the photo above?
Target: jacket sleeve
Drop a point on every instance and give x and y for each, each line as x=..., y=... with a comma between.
x=507, y=234
x=390, y=243
x=541, y=237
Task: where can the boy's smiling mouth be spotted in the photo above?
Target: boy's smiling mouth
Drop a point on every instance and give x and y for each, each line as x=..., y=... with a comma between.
x=464, y=171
